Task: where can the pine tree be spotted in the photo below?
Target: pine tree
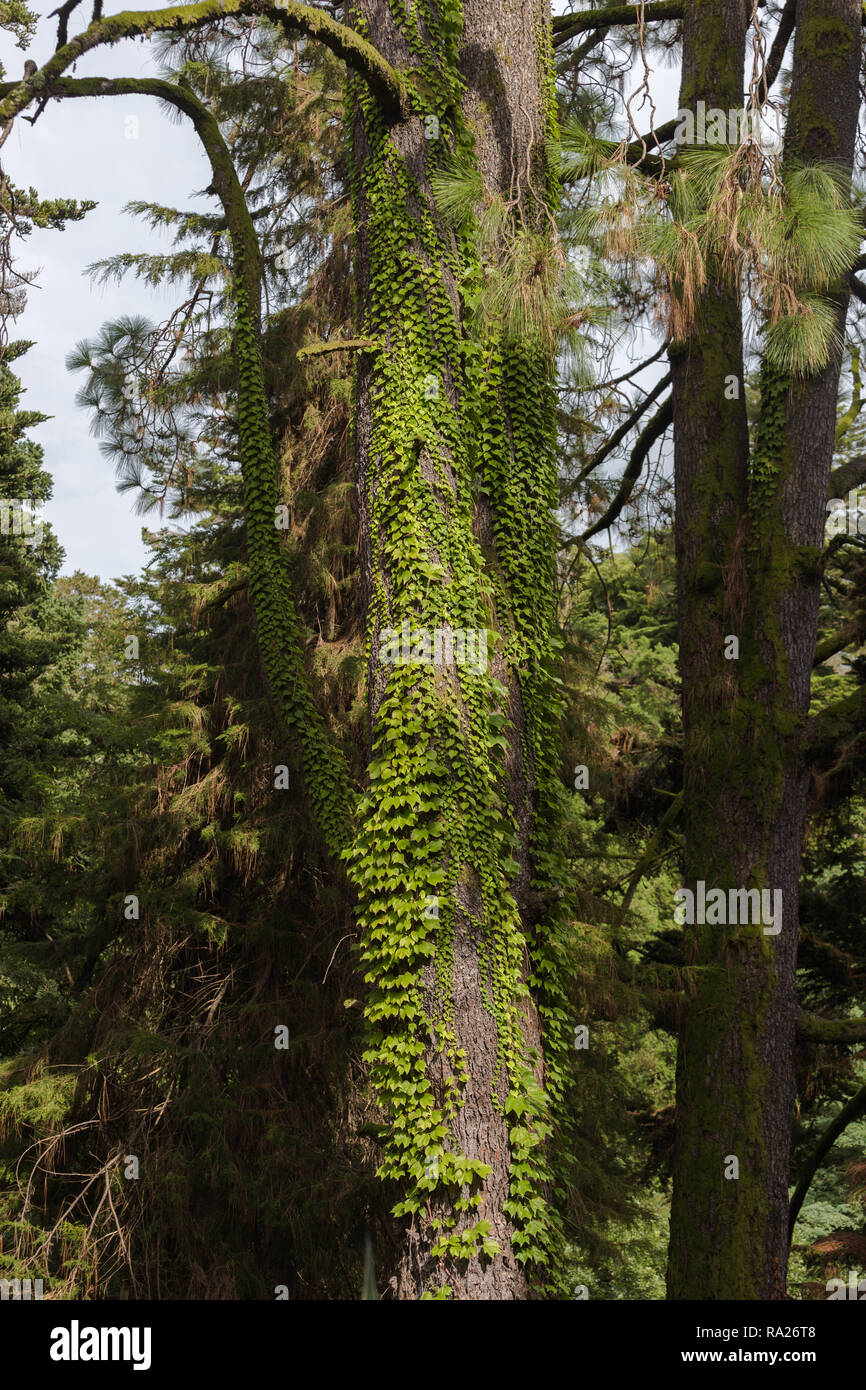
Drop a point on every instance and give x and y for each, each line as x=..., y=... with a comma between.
x=470, y=846
x=718, y=225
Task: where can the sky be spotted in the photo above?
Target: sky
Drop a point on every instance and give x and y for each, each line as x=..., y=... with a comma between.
x=111, y=150
x=91, y=149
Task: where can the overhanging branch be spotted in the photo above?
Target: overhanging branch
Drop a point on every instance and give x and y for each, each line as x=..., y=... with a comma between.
x=567, y=26
x=387, y=84
x=837, y=641
x=842, y=1031
x=847, y=477
x=838, y=720
x=280, y=632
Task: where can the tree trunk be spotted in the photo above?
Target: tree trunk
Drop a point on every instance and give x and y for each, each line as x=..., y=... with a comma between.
x=749, y=535
x=456, y=481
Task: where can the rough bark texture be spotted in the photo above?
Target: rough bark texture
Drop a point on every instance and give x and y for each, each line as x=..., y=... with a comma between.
x=748, y=541
x=504, y=103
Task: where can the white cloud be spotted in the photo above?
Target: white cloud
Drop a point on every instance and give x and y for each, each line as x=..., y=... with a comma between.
x=80, y=149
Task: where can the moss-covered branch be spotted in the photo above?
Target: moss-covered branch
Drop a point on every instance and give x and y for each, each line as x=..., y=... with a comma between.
x=280, y=633
x=326, y=347
x=837, y=720
x=847, y=476
x=387, y=84
x=812, y=1028
x=649, y=855
x=837, y=641
x=568, y=26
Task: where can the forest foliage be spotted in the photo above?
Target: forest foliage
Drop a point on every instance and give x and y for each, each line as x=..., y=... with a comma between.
x=168, y=901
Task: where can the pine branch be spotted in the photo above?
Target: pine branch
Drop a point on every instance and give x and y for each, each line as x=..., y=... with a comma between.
x=636, y=153
x=634, y=371
x=386, y=82
x=652, y=432
x=568, y=26
x=619, y=435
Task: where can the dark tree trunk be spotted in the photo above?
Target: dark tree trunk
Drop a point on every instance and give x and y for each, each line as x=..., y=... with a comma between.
x=749, y=535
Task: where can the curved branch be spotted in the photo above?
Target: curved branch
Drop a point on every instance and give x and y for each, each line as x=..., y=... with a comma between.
x=647, y=438
x=852, y=1111
x=279, y=628
x=837, y=641
x=628, y=424
x=386, y=82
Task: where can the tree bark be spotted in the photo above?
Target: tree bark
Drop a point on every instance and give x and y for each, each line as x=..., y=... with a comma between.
x=449, y=513
x=749, y=534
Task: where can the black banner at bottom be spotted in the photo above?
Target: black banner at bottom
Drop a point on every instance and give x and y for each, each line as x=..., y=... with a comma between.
x=55, y=1340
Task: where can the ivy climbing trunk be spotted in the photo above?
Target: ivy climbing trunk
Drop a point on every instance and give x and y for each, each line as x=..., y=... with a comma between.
x=455, y=461
x=749, y=537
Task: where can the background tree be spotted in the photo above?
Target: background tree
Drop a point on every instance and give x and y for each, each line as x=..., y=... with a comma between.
x=449, y=895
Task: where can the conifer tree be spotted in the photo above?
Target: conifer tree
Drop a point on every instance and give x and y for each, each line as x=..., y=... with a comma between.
x=441, y=829
x=751, y=506
x=451, y=851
